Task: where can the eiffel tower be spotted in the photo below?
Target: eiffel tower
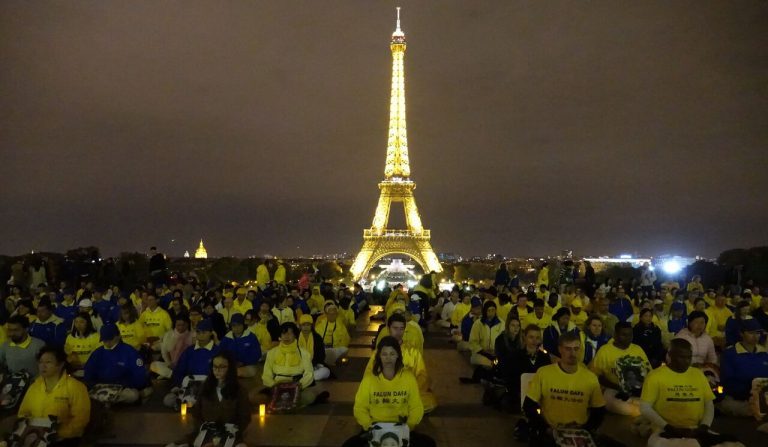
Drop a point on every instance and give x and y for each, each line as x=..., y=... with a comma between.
x=380, y=241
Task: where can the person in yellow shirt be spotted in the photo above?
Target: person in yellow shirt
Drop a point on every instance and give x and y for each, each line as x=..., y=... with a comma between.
x=504, y=306
x=482, y=337
x=156, y=322
x=413, y=335
x=54, y=393
x=280, y=273
x=131, y=329
x=543, y=277
x=538, y=317
x=718, y=316
x=563, y=394
x=242, y=304
x=461, y=310
x=388, y=393
x=81, y=342
x=287, y=362
x=334, y=333
x=678, y=401
x=412, y=359
x=605, y=365
x=262, y=275
x=578, y=315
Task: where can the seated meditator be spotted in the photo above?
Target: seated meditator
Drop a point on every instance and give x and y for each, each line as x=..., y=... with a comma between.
x=466, y=324
x=678, y=401
x=412, y=359
x=312, y=342
x=334, y=333
x=173, y=344
x=740, y=364
x=116, y=363
x=389, y=392
x=19, y=352
x=55, y=393
x=194, y=361
x=287, y=362
x=703, y=348
x=221, y=401
x=561, y=324
x=244, y=345
x=612, y=363
x=516, y=360
x=594, y=337
x=81, y=342
x=565, y=394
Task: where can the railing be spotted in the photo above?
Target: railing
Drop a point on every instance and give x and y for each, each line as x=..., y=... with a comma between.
x=395, y=233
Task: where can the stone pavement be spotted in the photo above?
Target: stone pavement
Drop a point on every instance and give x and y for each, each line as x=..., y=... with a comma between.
x=459, y=420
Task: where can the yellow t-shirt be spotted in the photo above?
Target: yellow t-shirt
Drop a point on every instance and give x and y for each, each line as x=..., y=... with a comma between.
x=132, y=333
x=412, y=336
x=242, y=308
x=334, y=334
x=717, y=317
x=82, y=347
x=679, y=398
x=382, y=400
x=604, y=363
x=262, y=334
x=503, y=311
x=459, y=312
x=542, y=322
x=565, y=398
x=579, y=319
x=156, y=323
x=68, y=401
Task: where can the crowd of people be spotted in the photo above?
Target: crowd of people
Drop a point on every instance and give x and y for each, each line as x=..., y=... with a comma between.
x=666, y=355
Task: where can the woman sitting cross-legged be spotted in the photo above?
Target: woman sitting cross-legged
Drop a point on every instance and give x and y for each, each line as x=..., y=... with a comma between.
x=288, y=363
x=221, y=401
x=388, y=394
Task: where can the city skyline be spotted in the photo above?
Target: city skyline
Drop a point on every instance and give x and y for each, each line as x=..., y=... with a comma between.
x=261, y=128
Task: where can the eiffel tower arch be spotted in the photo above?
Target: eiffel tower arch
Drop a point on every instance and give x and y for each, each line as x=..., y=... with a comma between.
x=379, y=240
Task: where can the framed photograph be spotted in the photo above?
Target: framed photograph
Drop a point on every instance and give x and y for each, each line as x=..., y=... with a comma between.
x=389, y=434
x=759, y=398
x=285, y=397
x=631, y=372
x=573, y=437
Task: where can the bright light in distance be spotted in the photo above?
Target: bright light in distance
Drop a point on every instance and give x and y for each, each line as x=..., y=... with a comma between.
x=411, y=284
x=651, y=268
x=672, y=267
x=381, y=284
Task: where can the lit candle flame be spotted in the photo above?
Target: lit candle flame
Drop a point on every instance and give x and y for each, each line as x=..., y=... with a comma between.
x=720, y=389
x=183, y=408
x=262, y=410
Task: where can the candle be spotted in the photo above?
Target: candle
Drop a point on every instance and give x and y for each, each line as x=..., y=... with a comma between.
x=720, y=389
x=262, y=410
x=183, y=408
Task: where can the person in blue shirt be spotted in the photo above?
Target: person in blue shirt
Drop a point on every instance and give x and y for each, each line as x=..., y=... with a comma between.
x=740, y=364
x=733, y=324
x=678, y=319
x=561, y=324
x=102, y=306
x=244, y=345
x=67, y=308
x=48, y=327
x=621, y=306
x=196, y=359
x=116, y=363
x=475, y=312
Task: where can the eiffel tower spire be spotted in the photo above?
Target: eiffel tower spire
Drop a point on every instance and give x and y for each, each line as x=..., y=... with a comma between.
x=379, y=240
x=397, y=143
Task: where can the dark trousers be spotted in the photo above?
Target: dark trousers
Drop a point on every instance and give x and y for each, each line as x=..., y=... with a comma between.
x=417, y=440
x=70, y=442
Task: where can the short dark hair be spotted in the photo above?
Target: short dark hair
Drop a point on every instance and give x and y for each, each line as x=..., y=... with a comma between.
x=21, y=320
x=58, y=353
x=622, y=325
x=395, y=317
x=531, y=328
x=680, y=343
x=289, y=326
x=568, y=337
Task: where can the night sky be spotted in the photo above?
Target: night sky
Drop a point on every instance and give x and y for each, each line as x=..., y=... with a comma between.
x=533, y=127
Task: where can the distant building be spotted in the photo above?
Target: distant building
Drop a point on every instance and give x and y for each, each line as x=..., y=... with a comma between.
x=201, y=252
x=186, y=253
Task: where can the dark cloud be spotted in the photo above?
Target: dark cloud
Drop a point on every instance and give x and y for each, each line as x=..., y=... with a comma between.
x=261, y=126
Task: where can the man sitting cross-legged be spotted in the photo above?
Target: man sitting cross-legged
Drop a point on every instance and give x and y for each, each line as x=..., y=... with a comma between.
x=678, y=401
x=564, y=394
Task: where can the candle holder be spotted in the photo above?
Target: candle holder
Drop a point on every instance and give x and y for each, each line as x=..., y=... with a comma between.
x=262, y=410
x=183, y=409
